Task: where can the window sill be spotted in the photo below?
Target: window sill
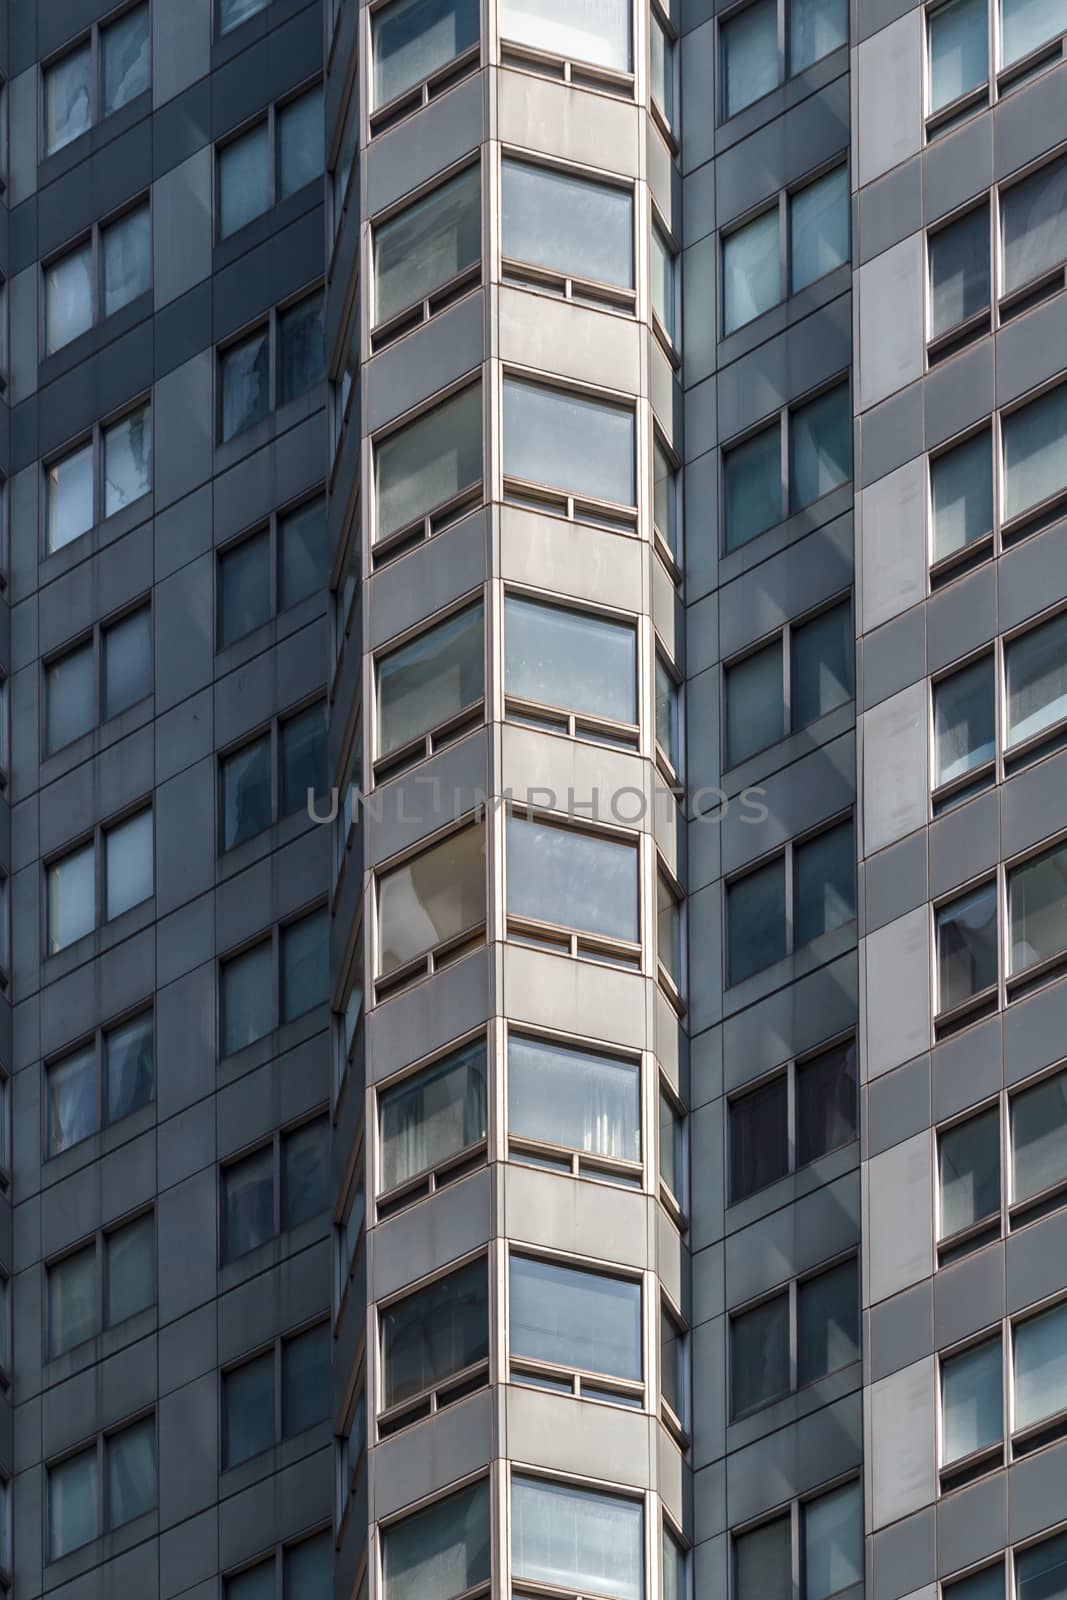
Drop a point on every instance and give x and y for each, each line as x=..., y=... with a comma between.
x=102, y=1549
x=229, y=452
x=277, y=1458
x=102, y=1345
x=55, y=563
x=759, y=1423
x=780, y=535
x=112, y=1137
x=277, y=1043
x=102, y=939
x=260, y=230
x=820, y=952
x=98, y=739
x=49, y=168
x=100, y=336
x=780, y=99
x=273, y=1252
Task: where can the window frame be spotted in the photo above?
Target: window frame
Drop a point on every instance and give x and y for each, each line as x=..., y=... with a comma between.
x=272, y=936
x=577, y=1484
x=272, y=525
x=446, y=513
x=785, y=73
x=556, y=282
x=552, y=500
x=794, y=1510
x=784, y=636
x=275, y=1554
x=782, y=204
x=403, y=105
x=1000, y=80
x=94, y=636
x=267, y=323
x=582, y=725
x=785, y=853
x=470, y=1480
x=91, y=36
x=94, y=438
x=557, y=937
x=270, y=118
x=274, y=1142
x=790, y=1292
x=94, y=237
x=587, y=1383
x=224, y=33
x=789, y=1071
x=468, y=1158
x=574, y=1162
x=98, y=1444
x=782, y=419
x=571, y=69
x=96, y=1040
x=382, y=333
x=677, y=1422
x=275, y=1347
x=435, y=1397
x=273, y=732
x=441, y=734
x=446, y=951
x=672, y=559
x=98, y=1240
x=96, y=838
x=667, y=119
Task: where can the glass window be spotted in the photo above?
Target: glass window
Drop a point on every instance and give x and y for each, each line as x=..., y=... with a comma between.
x=305, y=1172
x=302, y=553
x=567, y=223
x=971, y=1401
x=763, y=1562
x=1038, y=1142
x=664, y=296
x=824, y=884
x=234, y=12
x=413, y=39
x=661, y=67
x=833, y=1541
x=244, y=179
x=668, y=714
x=71, y=898
x=124, y=51
x=432, y=1115
x=259, y=1582
x=964, y=721
x=246, y=792
x=749, y=45
x=301, y=348
x=828, y=1318
x=957, y=42
x=759, y=1355
x=674, y=1563
x=1037, y=908
x=69, y=490
x=966, y=946
x=570, y=441
x=573, y=878
x=128, y=1066
x=69, y=697
x=300, y=142
x=431, y=679
x=247, y=997
x=751, y=271
x=583, y=30
x=669, y=931
x=961, y=494
x=821, y=665
x=759, y=1138
x=1041, y=1366
x=665, y=497
x=1035, y=460
x=131, y=1472
x=429, y=1336
x=577, y=1539
x=1024, y=25
x=429, y=243
x=826, y=1102
x=72, y=1108
x=572, y=1318
x=248, y=1203
x=245, y=383
x=431, y=898
x=671, y=1147
x=572, y=659
x=305, y=965
x=127, y=449
x=73, y=1503
x=308, y=1568
x=248, y=1409
x=126, y=248
x=441, y=1551
x=302, y=757
x=755, y=920
x=1035, y=667
x=429, y=461
x=820, y=447
x=71, y=1301
x=244, y=587
x=818, y=226
x=128, y=850
x=127, y=651
x=68, y=98
x=130, y=1279
x=580, y=1099
x=68, y=297
x=755, y=706
x=815, y=28
x=306, y=1379
x=985, y=1585
x=752, y=486
x=959, y=271
x=1040, y=1572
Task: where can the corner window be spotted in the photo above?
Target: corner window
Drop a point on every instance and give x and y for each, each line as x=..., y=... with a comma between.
x=442, y=1550
x=575, y=230
x=665, y=498
x=431, y=1126
x=278, y=362
x=99, y=880
x=88, y=84
x=419, y=48
x=430, y=690
x=577, y=879
x=79, y=694
x=575, y=1331
x=434, y=1346
x=109, y=471
x=574, y=1109
x=758, y=491
x=280, y=1185
x=573, y=442
x=569, y=670
x=670, y=938
x=426, y=254
x=431, y=908
x=582, y=1540
x=586, y=32
x=663, y=263
x=668, y=715
x=249, y=799
x=100, y=1082
x=98, y=277
x=672, y=1153
x=101, y=1284
x=428, y=472
x=264, y=573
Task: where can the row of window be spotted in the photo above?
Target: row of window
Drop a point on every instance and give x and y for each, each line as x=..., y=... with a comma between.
x=964, y=36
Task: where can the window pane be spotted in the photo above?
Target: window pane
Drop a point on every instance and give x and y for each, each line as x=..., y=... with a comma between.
x=759, y=1139
x=233, y=12
x=1039, y=1137
x=671, y=1147
x=1025, y=24
x=427, y=244
x=302, y=748
x=305, y=965
x=306, y=1379
x=964, y=721
x=248, y=1203
x=124, y=47
x=572, y=1318
x=1036, y=669
x=1041, y=1366
x=1035, y=460
x=749, y=43
x=661, y=265
x=300, y=142
x=567, y=440
x=68, y=297
x=584, y=30
x=668, y=732
x=431, y=898
x=247, y=998
x=971, y=1401
x=828, y=1313
x=73, y=1509
x=439, y=1552
x=576, y=1539
x=674, y=1585
x=763, y=1562
x=432, y=1334
x=559, y=1094
x=305, y=1172
x=245, y=381
x=755, y=708
x=661, y=68
x=428, y=461
x=825, y=884
x=967, y=946
x=68, y=98
x=69, y=697
x=987, y=1585
x=127, y=661
x=751, y=271
x=432, y=1115
x=818, y=227
x=957, y=36
x=69, y=488
x=820, y=447
x=248, y=1410
x=821, y=665
x=815, y=28
x=573, y=659
x=572, y=878
x=244, y=179
x=671, y=1362
x=1041, y=1571
x=71, y=898
x=759, y=1355
x=568, y=224
x=244, y=587
x=131, y=1269
x=833, y=1542
x=959, y=271
x=246, y=792
x=131, y=1472
x=127, y=460
x=302, y=553
x=431, y=679
x=664, y=497
x=1037, y=908
x=669, y=931
x=309, y=1569
x=301, y=349
x=259, y=1582
x=412, y=39
x=72, y=1102
x=71, y=1301
x=129, y=867
x=961, y=493
x=128, y=1066
x=752, y=487
x=826, y=1102
x=755, y=920
x=127, y=254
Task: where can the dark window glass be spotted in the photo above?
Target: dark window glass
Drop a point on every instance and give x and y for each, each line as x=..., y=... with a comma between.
x=305, y=1172
x=245, y=383
x=825, y=884
x=244, y=587
x=821, y=665
x=826, y=1102
x=959, y=271
x=828, y=1335
x=759, y=1138
x=248, y=1410
x=246, y=792
x=127, y=662
x=763, y=1562
x=306, y=1379
x=967, y=946
x=432, y=1334
x=248, y=1203
x=301, y=348
x=302, y=553
x=759, y=1355
x=755, y=920
x=305, y=965
x=70, y=697
x=303, y=758
x=969, y=1172
x=128, y=1066
x=247, y=998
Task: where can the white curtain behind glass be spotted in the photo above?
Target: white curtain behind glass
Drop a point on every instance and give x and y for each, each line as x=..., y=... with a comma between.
x=583, y=30
x=569, y=1097
x=577, y=1539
